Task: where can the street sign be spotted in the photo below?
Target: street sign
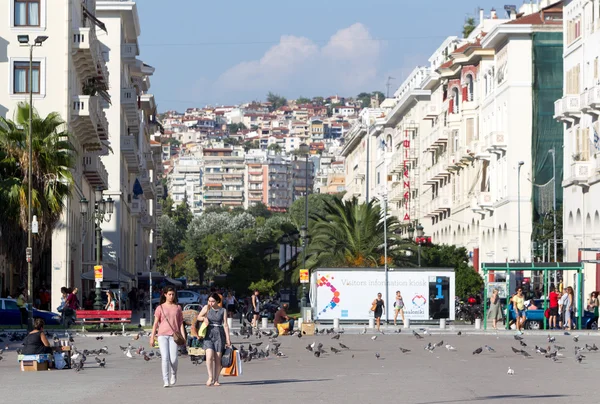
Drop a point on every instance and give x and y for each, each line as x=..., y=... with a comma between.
x=28, y=254
x=98, y=273
x=304, y=276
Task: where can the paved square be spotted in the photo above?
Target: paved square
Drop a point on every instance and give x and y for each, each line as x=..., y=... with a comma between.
x=352, y=376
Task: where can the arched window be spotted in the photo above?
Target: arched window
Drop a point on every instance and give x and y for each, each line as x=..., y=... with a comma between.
x=470, y=87
x=485, y=84
x=455, y=100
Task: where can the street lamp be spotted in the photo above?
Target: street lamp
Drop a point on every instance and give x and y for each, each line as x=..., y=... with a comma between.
x=304, y=149
x=103, y=210
x=420, y=234
x=285, y=240
x=519, y=209
x=24, y=41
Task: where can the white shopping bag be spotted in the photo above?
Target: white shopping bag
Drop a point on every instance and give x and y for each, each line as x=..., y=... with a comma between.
x=239, y=362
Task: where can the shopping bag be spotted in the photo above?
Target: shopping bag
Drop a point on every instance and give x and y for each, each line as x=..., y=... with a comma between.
x=233, y=369
x=238, y=363
x=203, y=330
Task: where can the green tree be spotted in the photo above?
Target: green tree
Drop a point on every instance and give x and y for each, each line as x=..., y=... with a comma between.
x=264, y=287
x=365, y=98
x=167, y=206
x=543, y=234
x=318, y=101
x=260, y=210
x=316, y=207
x=182, y=216
x=236, y=127
x=468, y=27
x=303, y=100
x=351, y=234
x=276, y=101
x=172, y=243
x=52, y=164
x=274, y=147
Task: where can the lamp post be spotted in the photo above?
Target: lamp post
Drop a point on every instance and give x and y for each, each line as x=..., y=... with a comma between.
x=385, y=250
x=418, y=240
x=304, y=149
x=285, y=240
x=24, y=41
x=519, y=210
x=103, y=210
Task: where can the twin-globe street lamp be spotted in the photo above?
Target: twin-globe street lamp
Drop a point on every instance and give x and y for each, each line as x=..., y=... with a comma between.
x=24, y=41
x=103, y=210
x=304, y=149
x=421, y=239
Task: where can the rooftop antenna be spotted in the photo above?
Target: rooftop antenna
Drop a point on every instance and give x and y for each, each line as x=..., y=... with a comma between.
x=388, y=84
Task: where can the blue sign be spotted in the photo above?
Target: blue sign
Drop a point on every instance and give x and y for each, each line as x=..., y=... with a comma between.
x=438, y=286
x=344, y=313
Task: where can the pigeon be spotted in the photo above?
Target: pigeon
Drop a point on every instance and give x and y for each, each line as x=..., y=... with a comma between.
x=579, y=358
x=525, y=353
x=102, y=363
x=589, y=348
x=478, y=351
x=518, y=338
x=336, y=336
x=450, y=347
x=364, y=331
x=439, y=344
x=334, y=350
x=459, y=333
x=576, y=338
x=551, y=339
x=377, y=355
x=100, y=338
x=343, y=346
x=417, y=335
x=510, y=372
x=522, y=343
x=559, y=348
x=309, y=348
x=146, y=358
x=374, y=337
x=429, y=347
x=567, y=333
x=540, y=350
x=403, y=350
x=317, y=354
x=398, y=331
x=128, y=354
x=489, y=348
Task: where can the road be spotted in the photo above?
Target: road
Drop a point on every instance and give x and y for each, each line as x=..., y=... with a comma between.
x=353, y=376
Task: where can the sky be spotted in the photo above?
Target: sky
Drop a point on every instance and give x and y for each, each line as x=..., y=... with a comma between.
x=231, y=52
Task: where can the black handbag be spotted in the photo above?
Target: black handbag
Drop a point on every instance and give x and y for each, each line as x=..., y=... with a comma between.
x=227, y=358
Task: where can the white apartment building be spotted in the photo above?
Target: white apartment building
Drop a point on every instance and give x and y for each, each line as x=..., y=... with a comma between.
x=185, y=183
x=224, y=172
x=579, y=109
x=67, y=69
x=129, y=236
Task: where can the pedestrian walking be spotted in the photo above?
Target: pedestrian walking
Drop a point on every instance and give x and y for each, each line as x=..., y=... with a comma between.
x=168, y=319
x=568, y=308
x=110, y=302
x=217, y=336
x=495, y=311
x=378, y=306
x=398, y=307
x=593, y=303
x=518, y=301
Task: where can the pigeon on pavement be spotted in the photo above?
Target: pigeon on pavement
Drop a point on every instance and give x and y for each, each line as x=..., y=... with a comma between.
x=510, y=371
x=478, y=351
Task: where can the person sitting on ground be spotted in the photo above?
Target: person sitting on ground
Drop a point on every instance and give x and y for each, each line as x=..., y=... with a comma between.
x=282, y=318
x=36, y=343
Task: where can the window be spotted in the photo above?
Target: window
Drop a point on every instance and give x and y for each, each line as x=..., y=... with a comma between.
x=469, y=88
x=10, y=305
x=27, y=13
x=21, y=78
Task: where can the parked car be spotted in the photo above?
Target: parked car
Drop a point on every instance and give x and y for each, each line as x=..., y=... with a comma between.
x=10, y=314
x=184, y=297
x=534, y=319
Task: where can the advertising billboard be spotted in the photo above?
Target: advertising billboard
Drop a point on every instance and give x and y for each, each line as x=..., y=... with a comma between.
x=347, y=294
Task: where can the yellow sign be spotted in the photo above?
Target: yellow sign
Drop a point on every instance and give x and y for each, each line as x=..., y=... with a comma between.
x=304, y=276
x=98, y=273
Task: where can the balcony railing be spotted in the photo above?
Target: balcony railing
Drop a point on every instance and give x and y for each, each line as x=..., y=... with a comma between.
x=89, y=121
x=129, y=51
x=94, y=171
x=579, y=173
x=129, y=150
x=496, y=141
x=590, y=100
x=87, y=57
x=568, y=107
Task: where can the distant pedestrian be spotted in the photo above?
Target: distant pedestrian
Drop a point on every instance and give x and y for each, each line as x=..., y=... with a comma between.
x=398, y=307
x=593, y=303
x=562, y=304
x=217, y=336
x=132, y=298
x=168, y=318
x=518, y=301
x=21, y=302
x=569, y=308
x=230, y=304
x=495, y=311
x=553, y=308
x=255, y=308
x=110, y=301
x=378, y=306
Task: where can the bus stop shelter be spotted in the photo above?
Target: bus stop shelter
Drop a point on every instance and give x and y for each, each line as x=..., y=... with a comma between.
x=546, y=268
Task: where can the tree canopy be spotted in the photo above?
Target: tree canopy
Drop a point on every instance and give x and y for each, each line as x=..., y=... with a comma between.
x=276, y=100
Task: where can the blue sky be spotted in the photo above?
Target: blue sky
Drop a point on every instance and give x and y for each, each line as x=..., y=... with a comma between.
x=213, y=53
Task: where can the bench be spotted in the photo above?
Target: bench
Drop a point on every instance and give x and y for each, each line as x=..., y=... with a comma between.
x=103, y=316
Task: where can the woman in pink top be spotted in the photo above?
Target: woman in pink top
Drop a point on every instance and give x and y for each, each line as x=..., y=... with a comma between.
x=168, y=317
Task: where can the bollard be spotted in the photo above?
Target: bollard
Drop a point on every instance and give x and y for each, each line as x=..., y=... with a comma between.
x=371, y=323
x=230, y=323
x=478, y=324
x=299, y=323
x=143, y=322
x=407, y=323
x=442, y=323
x=336, y=323
x=265, y=322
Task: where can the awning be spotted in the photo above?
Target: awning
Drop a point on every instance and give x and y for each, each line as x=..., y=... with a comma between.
x=94, y=20
x=173, y=281
x=109, y=275
x=146, y=275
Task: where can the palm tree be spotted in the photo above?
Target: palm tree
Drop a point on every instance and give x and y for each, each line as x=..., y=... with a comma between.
x=52, y=162
x=468, y=27
x=350, y=234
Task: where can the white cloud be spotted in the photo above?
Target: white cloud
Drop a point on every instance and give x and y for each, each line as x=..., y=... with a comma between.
x=346, y=64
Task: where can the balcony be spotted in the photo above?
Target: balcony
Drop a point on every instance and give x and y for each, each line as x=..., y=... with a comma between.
x=438, y=205
x=87, y=58
x=480, y=148
x=129, y=51
x=94, y=171
x=129, y=150
x=146, y=182
x=568, y=107
x=485, y=201
x=147, y=221
x=590, y=100
x=158, y=211
x=137, y=207
x=149, y=159
x=496, y=142
x=89, y=122
x=466, y=154
x=579, y=174
x=432, y=111
x=130, y=106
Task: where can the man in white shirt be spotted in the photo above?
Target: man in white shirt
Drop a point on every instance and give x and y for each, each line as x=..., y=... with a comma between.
x=562, y=302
